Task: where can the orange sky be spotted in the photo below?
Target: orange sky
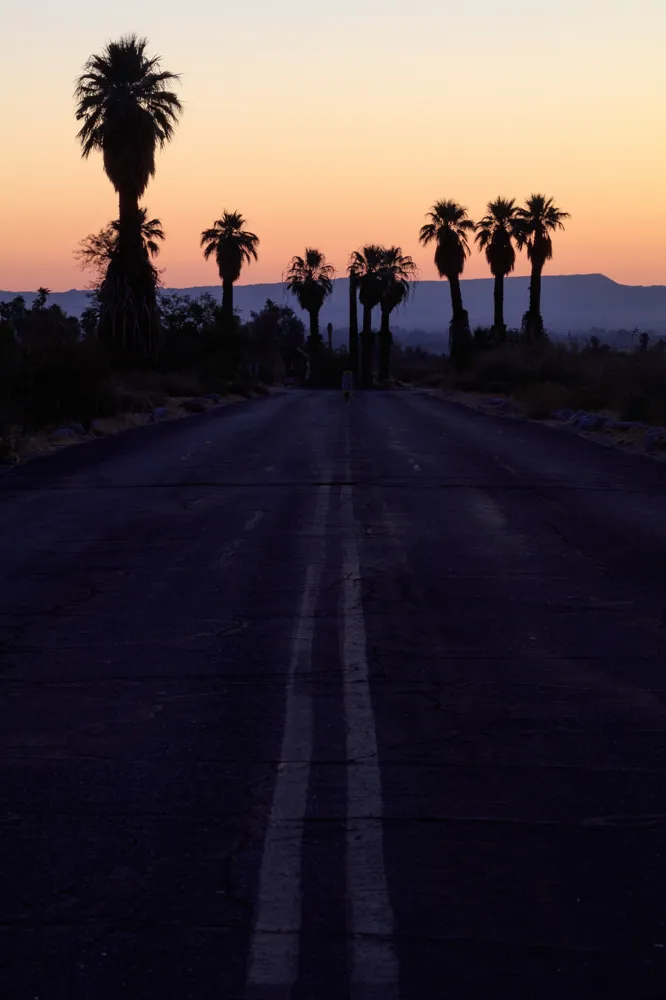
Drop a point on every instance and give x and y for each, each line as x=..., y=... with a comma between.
x=338, y=128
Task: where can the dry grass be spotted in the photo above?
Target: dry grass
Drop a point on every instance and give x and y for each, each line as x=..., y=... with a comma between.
x=31, y=445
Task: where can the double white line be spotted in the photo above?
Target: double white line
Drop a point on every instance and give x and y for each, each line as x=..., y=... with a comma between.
x=275, y=946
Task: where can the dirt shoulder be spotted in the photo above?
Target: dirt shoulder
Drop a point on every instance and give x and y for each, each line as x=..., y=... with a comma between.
x=55, y=438
x=603, y=428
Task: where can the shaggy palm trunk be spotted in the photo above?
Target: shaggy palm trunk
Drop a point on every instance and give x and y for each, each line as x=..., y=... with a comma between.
x=129, y=322
x=353, y=326
x=227, y=305
x=314, y=344
x=498, y=295
x=456, y=295
x=367, y=348
x=534, y=325
x=385, y=341
x=459, y=332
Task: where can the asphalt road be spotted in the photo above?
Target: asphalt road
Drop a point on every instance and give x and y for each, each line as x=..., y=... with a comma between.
x=305, y=700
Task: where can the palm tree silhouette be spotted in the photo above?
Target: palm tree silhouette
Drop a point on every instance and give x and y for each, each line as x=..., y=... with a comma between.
x=353, y=320
x=448, y=228
x=310, y=278
x=536, y=221
x=41, y=298
x=398, y=273
x=495, y=234
x=127, y=110
x=366, y=264
x=232, y=246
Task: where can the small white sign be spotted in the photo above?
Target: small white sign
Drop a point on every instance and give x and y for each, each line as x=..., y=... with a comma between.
x=347, y=382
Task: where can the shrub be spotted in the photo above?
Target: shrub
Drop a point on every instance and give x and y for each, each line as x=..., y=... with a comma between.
x=238, y=389
x=541, y=399
x=63, y=381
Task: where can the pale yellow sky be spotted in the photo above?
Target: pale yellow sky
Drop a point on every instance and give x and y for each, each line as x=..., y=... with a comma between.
x=342, y=127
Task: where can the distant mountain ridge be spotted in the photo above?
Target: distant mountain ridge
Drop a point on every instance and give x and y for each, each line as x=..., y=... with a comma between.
x=572, y=303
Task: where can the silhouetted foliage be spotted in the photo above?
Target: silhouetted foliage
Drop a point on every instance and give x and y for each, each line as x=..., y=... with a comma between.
x=232, y=246
x=366, y=264
x=448, y=228
x=96, y=251
x=536, y=222
x=495, y=234
x=127, y=110
x=353, y=319
x=397, y=275
x=310, y=280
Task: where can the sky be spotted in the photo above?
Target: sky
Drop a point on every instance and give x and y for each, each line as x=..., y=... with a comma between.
x=340, y=124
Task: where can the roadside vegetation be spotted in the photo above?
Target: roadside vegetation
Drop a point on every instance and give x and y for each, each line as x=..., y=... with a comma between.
x=135, y=349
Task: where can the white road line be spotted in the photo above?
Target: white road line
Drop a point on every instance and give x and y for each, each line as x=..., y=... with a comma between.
x=374, y=962
x=253, y=521
x=274, y=952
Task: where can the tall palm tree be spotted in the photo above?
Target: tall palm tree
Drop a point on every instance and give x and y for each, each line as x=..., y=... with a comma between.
x=536, y=222
x=495, y=234
x=448, y=228
x=367, y=263
x=398, y=273
x=353, y=321
x=127, y=110
x=232, y=246
x=310, y=278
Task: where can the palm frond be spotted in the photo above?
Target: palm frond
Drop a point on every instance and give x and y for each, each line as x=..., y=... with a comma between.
x=231, y=244
x=126, y=110
x=448, y=228
x=537, y=220
x=310, y=279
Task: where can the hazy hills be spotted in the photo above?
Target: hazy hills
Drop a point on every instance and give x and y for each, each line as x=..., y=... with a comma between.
x=570, y=303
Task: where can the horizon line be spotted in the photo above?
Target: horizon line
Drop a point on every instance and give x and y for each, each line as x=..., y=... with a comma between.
x=344, y=277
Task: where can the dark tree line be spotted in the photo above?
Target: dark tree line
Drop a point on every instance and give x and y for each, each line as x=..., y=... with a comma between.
x=128, y=109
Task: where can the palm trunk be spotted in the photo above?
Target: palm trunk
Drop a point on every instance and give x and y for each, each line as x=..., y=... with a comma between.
x=456, y=295
x=535, y=328
x=385, y=340
x=367, y=348
x=129, y=229
x=459, y=332
x=227, y=305
x=498, y=293
x=353, y=326
x=314, y=344
x=129, y=320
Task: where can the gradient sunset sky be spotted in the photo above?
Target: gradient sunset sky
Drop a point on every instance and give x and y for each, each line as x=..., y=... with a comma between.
x=339, y=124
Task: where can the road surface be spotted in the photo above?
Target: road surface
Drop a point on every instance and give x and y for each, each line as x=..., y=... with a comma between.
x=306, y=700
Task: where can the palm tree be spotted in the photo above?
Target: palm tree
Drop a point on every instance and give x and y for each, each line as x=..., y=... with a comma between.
x=41, y=298
x=536, y=221
x=127, y=110
x=96, y=250
x=366, y=264
x=232, y=246
x=448, y=228
x=495, y=234
x=398, y=274
x=353, y=321
x=310, y=279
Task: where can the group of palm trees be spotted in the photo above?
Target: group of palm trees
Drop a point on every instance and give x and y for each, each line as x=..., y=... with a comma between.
x=128, y=110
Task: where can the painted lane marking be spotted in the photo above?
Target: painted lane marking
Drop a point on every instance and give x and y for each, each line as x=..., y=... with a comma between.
x=374, y=963
x=275, y=945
